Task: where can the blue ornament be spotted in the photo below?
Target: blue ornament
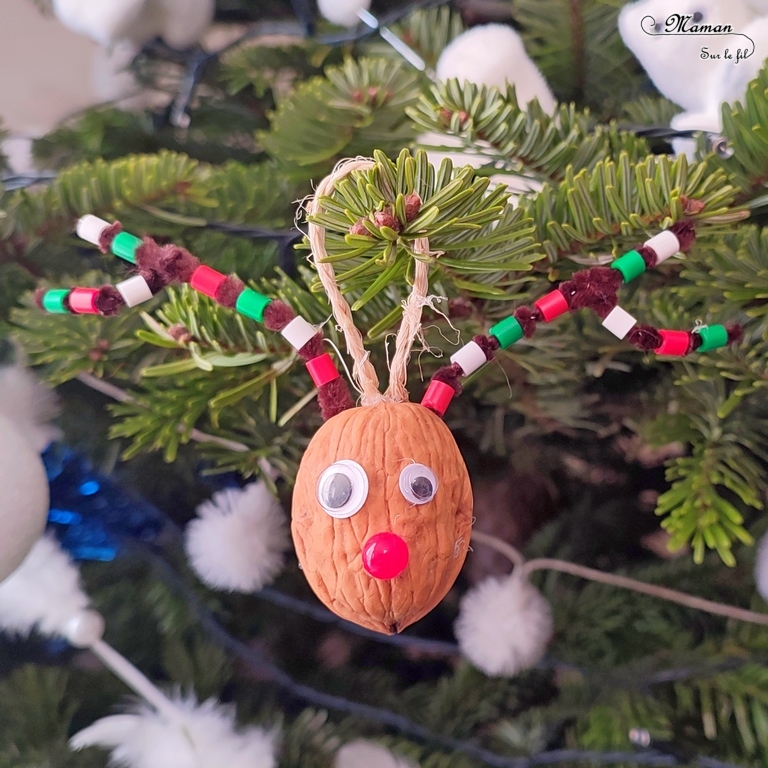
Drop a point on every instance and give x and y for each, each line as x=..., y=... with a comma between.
x=91, y=514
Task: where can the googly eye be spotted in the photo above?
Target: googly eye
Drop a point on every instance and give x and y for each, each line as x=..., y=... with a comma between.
x=342, y=489
x=418, y=484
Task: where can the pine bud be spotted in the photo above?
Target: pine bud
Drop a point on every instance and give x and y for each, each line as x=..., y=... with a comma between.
x=412, y=206
x=459, y=308
x=690, y=206
x=180, y=333
x=387, y=219
x=358, y=228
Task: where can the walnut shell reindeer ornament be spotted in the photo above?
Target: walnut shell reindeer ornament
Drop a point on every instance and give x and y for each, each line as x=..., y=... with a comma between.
x=382, y=509
x=382, y=514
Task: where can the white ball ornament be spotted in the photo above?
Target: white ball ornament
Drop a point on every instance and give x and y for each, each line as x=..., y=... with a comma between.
x=84, y=629
x=342, y=12
x=23, y=497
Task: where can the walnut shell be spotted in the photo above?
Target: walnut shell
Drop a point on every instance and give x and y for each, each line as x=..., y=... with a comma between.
x=383, y=439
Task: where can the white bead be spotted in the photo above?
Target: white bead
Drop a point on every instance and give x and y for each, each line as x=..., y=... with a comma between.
x=298, y=332
x=134, y=290
x=90, y=227
x=84, y=629
x=619, y=322
x=664, y=245
x=342, y=12
x=470, y=358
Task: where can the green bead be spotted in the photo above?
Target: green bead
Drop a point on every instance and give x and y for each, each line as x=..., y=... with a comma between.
x=712, y=337
x=125, y=245
x=507, y=332
x=631, y=265
x=252, y=304
x=53, y=301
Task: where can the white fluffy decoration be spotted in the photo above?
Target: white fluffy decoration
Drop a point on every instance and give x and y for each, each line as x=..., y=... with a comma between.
x=494, y=55
x=343, y=12
x=674, y=62
x=761, y=567
x=23, y=496
x=504, y=625
x=29, y=404
x=367, y=754
x=43, y=593
x=202, y=736
x=180, y=23
x=238, y=540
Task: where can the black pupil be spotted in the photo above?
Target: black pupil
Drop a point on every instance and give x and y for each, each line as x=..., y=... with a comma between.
x=338, y=491
x=697, y=17
x=421, y=487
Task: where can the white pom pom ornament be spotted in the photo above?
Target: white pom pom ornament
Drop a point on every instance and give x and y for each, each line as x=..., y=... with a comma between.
x=343, y=12
x=238, y=540
x=43, y=593
x=504, y=625
x=187, y=736
x=23, y=497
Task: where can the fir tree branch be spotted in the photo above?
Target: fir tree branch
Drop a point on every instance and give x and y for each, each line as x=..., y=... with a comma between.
x=353, y=107
x=110, y=390
x=744, y=125
x=99, y=187
x=520, y=138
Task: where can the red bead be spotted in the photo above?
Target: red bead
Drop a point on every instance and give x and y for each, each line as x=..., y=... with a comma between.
x=552, y=305
x=322, y=369
x=82, y=301
x=385, y=556
x=207, y=281
x=438, y=397
x=675, y=344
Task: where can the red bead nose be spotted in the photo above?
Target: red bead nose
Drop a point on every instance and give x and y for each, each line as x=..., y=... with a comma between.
x=385, y=555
